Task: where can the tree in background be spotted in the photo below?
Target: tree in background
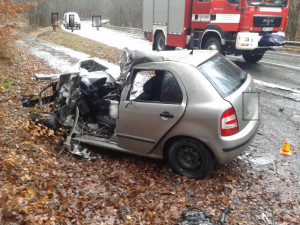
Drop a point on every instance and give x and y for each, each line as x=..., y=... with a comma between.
x=293, y=29
x=8, y=11
x=41, y=14
x=125, y=12
x=120, y=13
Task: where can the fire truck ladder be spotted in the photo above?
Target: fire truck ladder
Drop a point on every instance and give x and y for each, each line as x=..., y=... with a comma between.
x=197, y=39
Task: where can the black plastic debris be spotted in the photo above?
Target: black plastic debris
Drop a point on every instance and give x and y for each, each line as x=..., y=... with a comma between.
x=196, y=216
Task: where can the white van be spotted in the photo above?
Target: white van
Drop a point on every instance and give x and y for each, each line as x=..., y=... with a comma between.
x=77, y=23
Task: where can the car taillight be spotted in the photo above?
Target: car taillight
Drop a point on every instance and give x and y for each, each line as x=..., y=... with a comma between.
x=229, y=123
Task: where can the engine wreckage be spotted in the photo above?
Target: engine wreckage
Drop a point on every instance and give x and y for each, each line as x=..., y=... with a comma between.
x=84, y=102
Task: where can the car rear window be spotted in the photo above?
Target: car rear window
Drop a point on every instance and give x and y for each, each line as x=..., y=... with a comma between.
x=224, y=75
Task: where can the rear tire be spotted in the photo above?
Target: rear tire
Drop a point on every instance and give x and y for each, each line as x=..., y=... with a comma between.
x=252, y=58
x=160, y=42
x=213, y=43
x=190, y=158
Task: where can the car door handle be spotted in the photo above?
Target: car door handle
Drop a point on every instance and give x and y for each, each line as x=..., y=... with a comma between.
x=166, y=114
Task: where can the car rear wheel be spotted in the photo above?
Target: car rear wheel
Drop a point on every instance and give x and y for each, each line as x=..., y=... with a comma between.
x=160, y=44
x=252, y=58
x=190, y=158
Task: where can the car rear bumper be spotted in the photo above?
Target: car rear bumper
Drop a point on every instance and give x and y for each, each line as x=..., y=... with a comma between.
x=228, y=148
x=77, y=25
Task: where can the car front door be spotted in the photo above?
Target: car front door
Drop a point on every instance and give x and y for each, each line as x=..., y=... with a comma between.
x=149, y=108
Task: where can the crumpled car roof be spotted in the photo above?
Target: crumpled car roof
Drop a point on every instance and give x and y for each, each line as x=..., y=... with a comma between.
x=129, y=58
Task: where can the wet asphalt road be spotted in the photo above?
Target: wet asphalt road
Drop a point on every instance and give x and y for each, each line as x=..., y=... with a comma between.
x=281, y=68
x=280, y=108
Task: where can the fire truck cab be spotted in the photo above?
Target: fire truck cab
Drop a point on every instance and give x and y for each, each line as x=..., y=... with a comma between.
x=239, y=27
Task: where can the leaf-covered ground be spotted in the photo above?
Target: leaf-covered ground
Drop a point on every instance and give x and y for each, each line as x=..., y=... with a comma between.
x=38, y=187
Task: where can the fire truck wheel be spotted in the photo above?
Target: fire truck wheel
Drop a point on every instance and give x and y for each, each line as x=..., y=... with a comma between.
x=213, y=43
x=252, y=58
x=160, y=44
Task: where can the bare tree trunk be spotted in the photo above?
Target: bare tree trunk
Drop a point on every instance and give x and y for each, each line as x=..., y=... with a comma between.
x=294, y=21
x=120, y=13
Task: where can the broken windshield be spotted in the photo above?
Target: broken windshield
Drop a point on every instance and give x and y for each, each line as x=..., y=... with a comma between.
x=270, y=3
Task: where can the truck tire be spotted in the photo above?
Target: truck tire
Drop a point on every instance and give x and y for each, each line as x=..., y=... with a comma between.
x=213, y=43
x=159, y=43
x=191, y=158
x=146, y=35
x=252, y=58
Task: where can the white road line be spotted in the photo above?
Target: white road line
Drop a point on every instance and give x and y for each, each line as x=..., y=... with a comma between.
x=269, y=63
x=266, y=84
x=282, y=53
x=280, y=65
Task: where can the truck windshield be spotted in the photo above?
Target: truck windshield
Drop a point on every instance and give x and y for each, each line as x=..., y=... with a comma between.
x=270, y=3
x=234, y=1
x=224, y=75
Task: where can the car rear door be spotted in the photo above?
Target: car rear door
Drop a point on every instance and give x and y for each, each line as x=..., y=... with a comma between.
x=145, y=119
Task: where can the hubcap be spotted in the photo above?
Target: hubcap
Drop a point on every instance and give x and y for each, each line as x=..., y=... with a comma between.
x=189, y=158
x=212, y=46
x=161, y=44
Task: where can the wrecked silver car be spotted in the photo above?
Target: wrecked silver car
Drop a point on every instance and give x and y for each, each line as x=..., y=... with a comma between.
x=185, y=107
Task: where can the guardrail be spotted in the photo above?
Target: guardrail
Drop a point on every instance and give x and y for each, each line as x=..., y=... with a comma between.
x=128, y=29
x=292, y=44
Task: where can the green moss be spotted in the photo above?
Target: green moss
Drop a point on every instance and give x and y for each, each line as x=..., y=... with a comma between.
x=7, y=84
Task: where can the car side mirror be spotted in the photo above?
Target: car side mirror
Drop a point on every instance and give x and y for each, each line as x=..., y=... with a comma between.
x=240, y=8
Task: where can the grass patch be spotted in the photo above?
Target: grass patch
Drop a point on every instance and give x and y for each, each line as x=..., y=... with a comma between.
x=78, y=43
x=7, y=84
x=289, y=49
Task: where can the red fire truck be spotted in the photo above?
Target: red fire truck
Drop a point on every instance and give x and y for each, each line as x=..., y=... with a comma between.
x=240, y=27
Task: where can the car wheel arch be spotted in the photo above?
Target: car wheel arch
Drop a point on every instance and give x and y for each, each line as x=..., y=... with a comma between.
x=211, y=33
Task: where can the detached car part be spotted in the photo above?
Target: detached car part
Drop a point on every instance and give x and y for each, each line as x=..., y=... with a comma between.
x=196, y=216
